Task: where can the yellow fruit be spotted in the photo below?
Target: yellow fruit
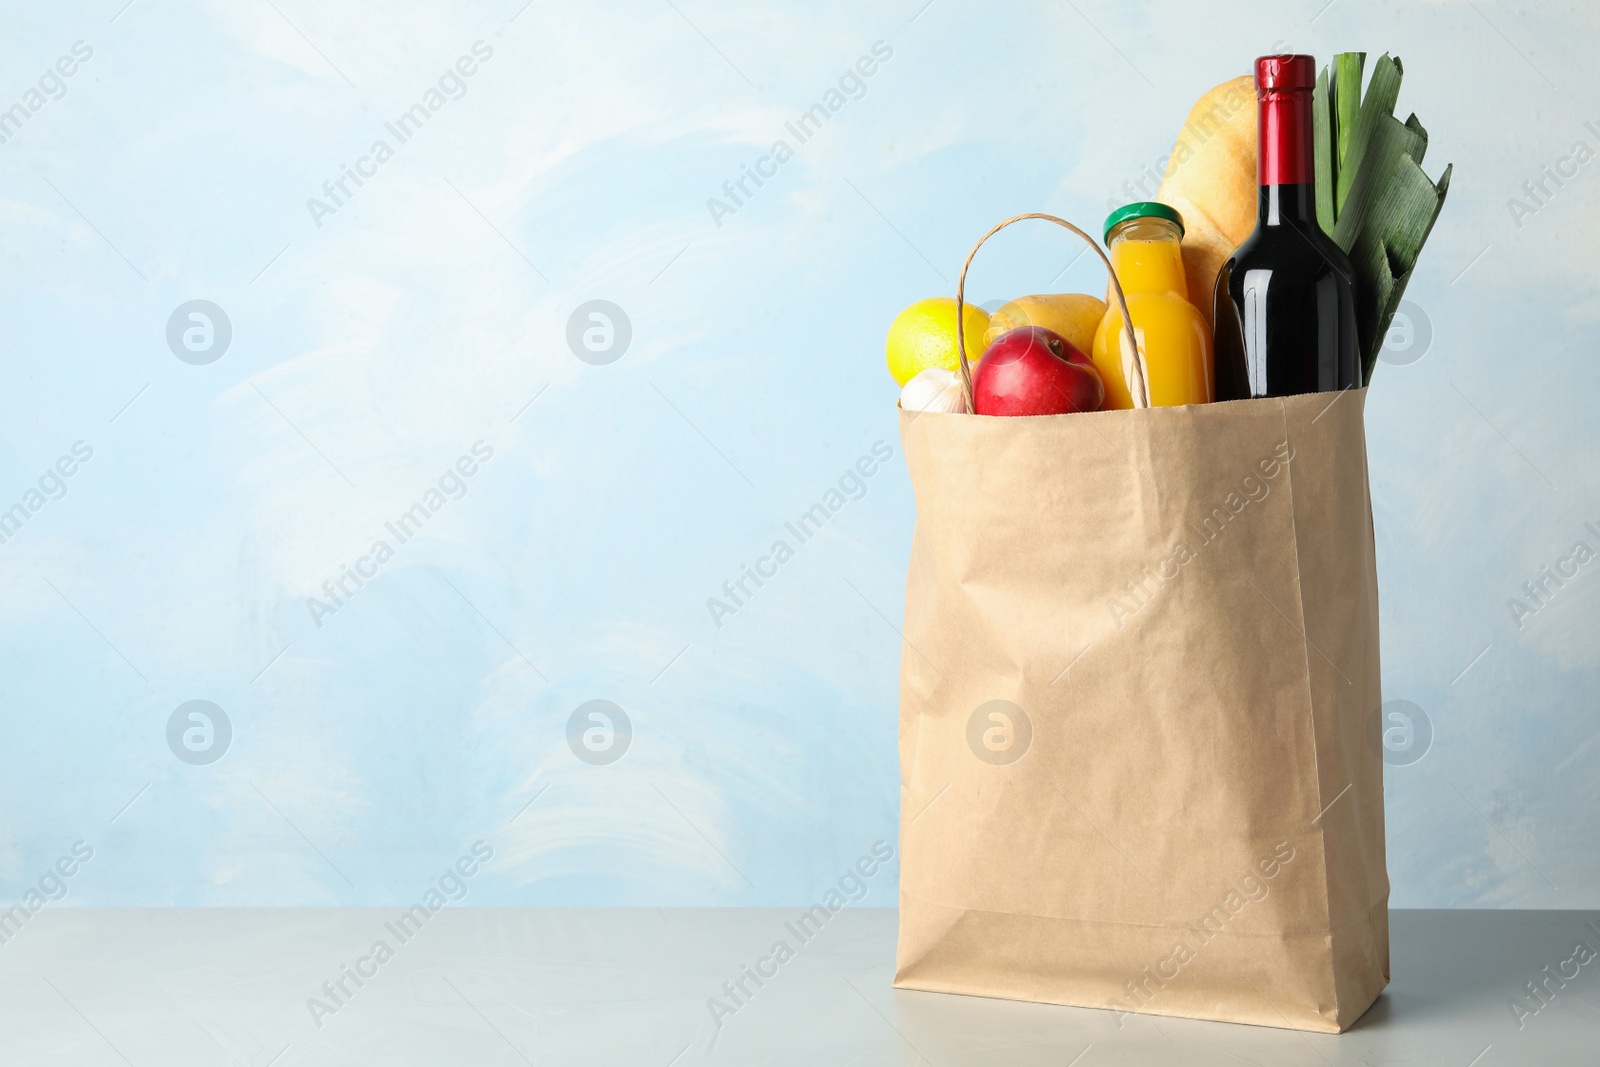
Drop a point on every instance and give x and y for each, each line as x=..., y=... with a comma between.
x=924, y=335
x=1073, y=315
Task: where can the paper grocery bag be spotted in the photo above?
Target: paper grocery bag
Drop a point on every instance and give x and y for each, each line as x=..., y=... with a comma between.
x=1139, y=743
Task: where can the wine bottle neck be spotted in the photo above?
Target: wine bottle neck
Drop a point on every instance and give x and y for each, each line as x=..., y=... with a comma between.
x=1286, y=161
x=1287, y=205
x=1285, y=137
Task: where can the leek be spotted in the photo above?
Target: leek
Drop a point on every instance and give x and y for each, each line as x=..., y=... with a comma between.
x=1379, y=206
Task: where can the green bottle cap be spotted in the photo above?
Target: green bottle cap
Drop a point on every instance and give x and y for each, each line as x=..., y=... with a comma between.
x=1144, y=209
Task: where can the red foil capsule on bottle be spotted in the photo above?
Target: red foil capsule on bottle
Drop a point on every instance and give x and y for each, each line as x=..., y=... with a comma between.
x=1283, y=89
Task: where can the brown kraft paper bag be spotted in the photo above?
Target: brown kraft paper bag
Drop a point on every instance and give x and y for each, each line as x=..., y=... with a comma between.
x=1139, y=735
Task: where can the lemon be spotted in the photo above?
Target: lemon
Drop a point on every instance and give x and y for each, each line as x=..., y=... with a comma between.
x=1074, y=316
x=924, y=335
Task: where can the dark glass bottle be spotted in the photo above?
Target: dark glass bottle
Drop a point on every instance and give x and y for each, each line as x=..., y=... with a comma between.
x=1284, y=305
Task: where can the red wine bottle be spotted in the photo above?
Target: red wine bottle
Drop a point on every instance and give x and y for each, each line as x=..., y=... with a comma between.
x=1284, y=304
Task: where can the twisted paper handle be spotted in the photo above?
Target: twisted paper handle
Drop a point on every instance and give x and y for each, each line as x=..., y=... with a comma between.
x=1133, y=368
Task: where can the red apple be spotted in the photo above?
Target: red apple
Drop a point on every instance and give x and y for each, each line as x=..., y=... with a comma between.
x=1035, y=371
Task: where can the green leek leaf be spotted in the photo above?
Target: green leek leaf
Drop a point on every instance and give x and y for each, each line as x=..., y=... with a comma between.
x=1416, y=127
x=1390, y=144
x=1345, y=84
x=1322, y=126
x=1402, y=247
x=1378, y=103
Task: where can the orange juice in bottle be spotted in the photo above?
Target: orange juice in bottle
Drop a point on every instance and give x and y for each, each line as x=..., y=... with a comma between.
x=1143, y=241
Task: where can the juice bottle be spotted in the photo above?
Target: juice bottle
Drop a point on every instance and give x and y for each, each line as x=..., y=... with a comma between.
x=1143, y=241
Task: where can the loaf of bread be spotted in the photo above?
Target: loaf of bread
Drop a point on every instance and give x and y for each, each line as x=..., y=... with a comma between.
x=1211, y=180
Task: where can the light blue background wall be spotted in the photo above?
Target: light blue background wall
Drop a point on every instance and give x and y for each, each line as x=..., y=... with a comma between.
x=424, y=316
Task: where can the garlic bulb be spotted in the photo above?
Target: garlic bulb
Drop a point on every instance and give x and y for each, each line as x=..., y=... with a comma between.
x=935, y=389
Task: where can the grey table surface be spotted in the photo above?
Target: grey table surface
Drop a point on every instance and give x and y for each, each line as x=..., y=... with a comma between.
x=512, y=986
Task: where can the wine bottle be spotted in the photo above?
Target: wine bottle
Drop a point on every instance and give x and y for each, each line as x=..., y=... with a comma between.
x=1284, y=304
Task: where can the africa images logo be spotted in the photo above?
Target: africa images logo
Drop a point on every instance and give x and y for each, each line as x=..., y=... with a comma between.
x=199, y=732
x=852, y=485
x=999, y=732
x=599, y=732
x=199, y=332
x=599, y=332
x=337, y=192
